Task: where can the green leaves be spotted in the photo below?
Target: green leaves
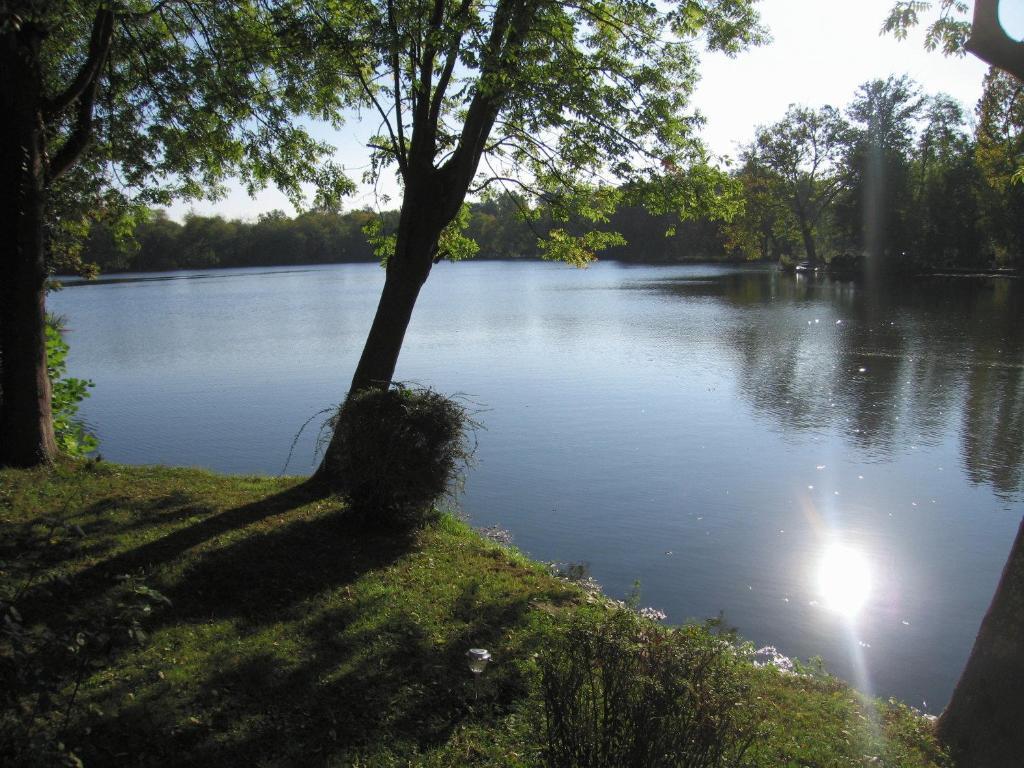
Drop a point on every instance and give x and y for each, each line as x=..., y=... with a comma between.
x=73, y=437
x=557, y=99
x=383, y=244
x=193, y=94
x=453, y=245
x=576, y=250
x=950, y=30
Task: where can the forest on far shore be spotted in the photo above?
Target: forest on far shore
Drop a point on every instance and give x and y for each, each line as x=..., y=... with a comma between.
x=320, y=237
x=908, y=176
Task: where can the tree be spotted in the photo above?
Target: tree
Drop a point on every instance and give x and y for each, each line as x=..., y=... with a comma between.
x=999, y=154
x=983, y=35
x=981, y=723
x=104, y=103
x=945, y=214
x=800, y=158
x=552, y=99
x=764, y=229
x=873, y=212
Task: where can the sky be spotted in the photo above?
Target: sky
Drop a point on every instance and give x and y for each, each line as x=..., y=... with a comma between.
x=821, y=51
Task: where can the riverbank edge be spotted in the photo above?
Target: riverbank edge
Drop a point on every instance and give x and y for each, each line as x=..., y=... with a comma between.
x=264, y=630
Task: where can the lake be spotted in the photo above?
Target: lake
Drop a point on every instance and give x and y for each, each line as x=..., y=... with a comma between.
x=836, y=468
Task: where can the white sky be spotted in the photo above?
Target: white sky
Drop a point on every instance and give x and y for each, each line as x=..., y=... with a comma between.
x=821, y=51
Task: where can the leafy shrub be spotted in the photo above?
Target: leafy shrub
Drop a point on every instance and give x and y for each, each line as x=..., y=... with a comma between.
x=620, y=691
x=401, y=449
x=73, y=438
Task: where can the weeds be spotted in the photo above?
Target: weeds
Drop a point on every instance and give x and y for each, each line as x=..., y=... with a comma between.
x=401, y=449
x=622, y=692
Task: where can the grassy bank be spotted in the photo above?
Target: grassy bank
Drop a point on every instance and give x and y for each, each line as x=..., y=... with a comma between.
x=205, y=620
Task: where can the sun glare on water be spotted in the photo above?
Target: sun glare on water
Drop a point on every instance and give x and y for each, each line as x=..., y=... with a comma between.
x=844, y=579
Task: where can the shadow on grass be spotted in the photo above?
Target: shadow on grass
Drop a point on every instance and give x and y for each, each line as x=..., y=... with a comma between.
x=170, y=509
x=92, y=581
x=362, y=668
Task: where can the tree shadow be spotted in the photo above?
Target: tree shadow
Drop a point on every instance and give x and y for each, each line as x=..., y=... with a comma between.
x=260, y=578
x=352, y=695
x=365, y=669
x=84, y=586
x=170, y=509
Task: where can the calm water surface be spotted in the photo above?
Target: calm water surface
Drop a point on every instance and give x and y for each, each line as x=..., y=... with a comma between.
x=838, y=470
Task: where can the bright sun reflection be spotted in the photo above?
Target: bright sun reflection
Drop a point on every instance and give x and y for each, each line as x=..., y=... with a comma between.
x=844, y=579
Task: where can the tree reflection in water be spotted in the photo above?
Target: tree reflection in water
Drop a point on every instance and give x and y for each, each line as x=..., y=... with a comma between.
x=889, y=367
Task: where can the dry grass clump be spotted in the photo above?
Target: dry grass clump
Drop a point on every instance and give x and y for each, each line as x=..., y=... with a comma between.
x=402, y=449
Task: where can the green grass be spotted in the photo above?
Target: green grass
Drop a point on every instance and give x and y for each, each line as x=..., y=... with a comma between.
x=294, y=639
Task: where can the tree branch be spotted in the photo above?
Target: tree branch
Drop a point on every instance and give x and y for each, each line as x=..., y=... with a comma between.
x=397, y=77
x=401, y=156
x=511, y=23
x=99, y=47
x=451, y=57
x=83, y=89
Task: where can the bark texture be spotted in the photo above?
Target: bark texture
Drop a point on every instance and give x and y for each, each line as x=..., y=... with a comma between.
x=983, y=726
x=26, y=421
x=27, y=117
x=420, y=225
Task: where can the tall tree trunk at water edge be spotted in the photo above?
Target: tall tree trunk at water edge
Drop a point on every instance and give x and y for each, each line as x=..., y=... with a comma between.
x=27, y=170
x=408, y=268
x=983, y=726
x=26, y=422
x=436, y=169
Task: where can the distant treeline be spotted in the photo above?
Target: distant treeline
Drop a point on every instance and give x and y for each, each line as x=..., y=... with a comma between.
x=275, y=239
x=897, y=175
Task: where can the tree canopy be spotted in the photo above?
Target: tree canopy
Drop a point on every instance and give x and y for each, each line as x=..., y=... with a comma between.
x=549, y=99
x=188, y=95
x=561, y=101
x=799, y=161
x=107, y=104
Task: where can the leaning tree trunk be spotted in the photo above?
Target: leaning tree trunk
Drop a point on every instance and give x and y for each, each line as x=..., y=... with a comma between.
x=983, y=726
x=407, y=270
x=431, y=201
x=420, y=225
x=26, y=422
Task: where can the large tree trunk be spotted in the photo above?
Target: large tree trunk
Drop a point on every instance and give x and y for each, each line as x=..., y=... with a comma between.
x=808, y=236
x=983, y=726
x=405, y=276
x=26, y=422
x=990, y=42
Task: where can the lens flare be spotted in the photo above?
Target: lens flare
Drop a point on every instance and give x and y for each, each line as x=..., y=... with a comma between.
x=844, y=579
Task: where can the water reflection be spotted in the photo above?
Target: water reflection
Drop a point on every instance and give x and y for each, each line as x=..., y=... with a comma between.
x=891, y=383
x=891, y=368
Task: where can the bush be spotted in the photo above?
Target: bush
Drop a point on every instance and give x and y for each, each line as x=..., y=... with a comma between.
x=73, y=437
x=401, y=449
x=620, y=691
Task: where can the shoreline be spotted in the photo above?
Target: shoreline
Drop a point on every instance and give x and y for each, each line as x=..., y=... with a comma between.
x=267, y=629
